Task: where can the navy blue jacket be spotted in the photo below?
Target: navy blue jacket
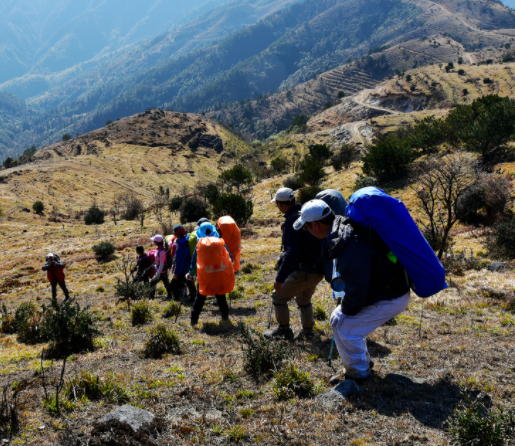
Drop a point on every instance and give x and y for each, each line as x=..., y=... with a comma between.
x=182, y=256
x=364, y=265
x=299, y=248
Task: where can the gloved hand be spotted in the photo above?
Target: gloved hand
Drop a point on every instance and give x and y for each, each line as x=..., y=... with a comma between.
x=189, y=277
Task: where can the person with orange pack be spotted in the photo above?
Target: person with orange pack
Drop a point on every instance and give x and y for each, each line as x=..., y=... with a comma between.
x=212, y=263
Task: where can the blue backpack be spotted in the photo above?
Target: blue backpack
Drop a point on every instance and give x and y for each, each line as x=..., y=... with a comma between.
x=372, y=207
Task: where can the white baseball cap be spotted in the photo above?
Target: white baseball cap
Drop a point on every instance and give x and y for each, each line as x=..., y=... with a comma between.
x=157, y=238
x=50, y=254
x=283, y=194
x=314, y=210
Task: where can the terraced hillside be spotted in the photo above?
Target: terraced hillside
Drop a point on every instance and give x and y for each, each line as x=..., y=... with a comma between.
x=133, y=155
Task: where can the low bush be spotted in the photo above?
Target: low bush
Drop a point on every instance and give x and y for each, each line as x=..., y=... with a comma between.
x=104, y=249
x=94, y=216
x=319, y=313
x=294, y=182
x=292, y=382
x=175, y=203
x=27, y=320
x=69, y=328
x=162, y=341
x=309, y=193
x=141, y=313
x=458, y=263
x=312, y=172
x=38, y=207
x=388, y=159
x=473, y=424
x=238, y=293
x=172, y=310
x=9, y=411
x=90, y=386
x=344, y=157
x=501, y=241
x=261, y=355
x=193, y=209
x=248, y=268
x=133, y=207
x=364, y=181
x=7, y=325
x=235, y=205
x=125, y=290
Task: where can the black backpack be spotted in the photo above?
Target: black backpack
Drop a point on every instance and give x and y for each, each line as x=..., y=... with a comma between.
x=169, y=258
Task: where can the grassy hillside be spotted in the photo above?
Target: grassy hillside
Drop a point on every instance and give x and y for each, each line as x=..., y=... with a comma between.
x=136, y=154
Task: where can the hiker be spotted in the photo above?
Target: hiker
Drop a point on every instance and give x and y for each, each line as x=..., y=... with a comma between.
x=182, y=265
x=376, y=288
x=300, y=271
x=55, y=273
x=213, y=265
x=161, y=266
x=143, y=266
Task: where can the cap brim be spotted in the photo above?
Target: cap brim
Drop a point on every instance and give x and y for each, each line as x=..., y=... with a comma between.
x=273, y=200
x=299, y=223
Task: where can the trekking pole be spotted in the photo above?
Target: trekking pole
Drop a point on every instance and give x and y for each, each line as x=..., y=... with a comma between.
x=270, y=315
x=332, y=340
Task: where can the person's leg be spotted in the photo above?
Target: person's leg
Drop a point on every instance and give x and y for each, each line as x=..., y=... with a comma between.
x=192, y=290
x=65, y=289
x=350, y=333
x=54, y=289
x=166, y=283
x=197, y=307
x=222, y=304
x=175, y=289
x=304, y=302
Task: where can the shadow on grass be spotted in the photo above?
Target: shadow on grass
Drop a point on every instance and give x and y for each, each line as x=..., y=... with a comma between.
x=398, y=393
x=219, y=329
x=242, y=311
x=377, y=350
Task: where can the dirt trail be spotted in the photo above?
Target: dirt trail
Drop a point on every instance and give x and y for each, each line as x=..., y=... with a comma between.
x=361, y=98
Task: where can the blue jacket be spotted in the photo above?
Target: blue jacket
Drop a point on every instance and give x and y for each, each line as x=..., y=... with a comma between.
x=369, y=275
x=182, y=256
x=300, y=250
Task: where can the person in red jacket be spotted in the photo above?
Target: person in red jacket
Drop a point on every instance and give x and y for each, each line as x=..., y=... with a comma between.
x=55, y=273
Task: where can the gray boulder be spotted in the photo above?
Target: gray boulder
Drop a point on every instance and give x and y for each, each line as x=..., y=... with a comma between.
x=333, y=398
x=496, y=267
x=133, y=416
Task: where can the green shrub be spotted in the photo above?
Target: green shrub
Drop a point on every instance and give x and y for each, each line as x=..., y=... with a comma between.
x=363, y=181
x=473, y=424
x=309, y=193
x=319, y=313
x=66, y=137
x=248, y=268
x=236, y=177
x=162, y=341
x=141, y=313
x=299, y=124
x=7, y=325
x=501, y=242
x=487, y=80
x=279, y=165
x=261, y=355
x=104, y=249
x=94, y=216
x=193, y=210
x=292, y=382
x=237, y=293
x=236, y=206
x=312, y=171
x=388, y=159
x=68, y=327
x=27, y=320
x=124, y=290
x=471, y=202
x=294, y=182
x=90, y=386
x=175, y=203
x=38, y=207
x=172, y=310
x=458, y=263
x=212, y=193
x=344, y=157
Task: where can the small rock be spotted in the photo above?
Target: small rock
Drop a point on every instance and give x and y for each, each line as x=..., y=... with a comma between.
x=133, y=416
x=496, y=267
x=333, y=398
x=41, y=427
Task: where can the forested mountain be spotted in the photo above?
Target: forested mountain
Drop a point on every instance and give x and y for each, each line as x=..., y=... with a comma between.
x=285, y=49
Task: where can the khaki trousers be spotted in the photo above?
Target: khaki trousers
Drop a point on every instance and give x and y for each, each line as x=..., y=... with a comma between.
x=300, y=286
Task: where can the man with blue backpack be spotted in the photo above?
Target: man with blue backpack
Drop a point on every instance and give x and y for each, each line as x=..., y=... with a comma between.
x=370, y=245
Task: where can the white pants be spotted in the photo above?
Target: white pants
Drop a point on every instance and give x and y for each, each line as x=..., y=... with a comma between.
x=350, y=332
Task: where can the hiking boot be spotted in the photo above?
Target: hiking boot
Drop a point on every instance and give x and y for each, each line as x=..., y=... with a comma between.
x=194, y=320
x=285, y=333
x=304, y=335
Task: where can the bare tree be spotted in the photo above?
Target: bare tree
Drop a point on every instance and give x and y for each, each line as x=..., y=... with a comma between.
x=159, y=202
x=439, y=183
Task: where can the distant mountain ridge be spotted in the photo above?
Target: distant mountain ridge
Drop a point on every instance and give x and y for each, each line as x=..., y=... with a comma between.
x=284, y=50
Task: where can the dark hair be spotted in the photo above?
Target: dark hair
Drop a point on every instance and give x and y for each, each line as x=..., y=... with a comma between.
x=329, y=220
x=140, y=249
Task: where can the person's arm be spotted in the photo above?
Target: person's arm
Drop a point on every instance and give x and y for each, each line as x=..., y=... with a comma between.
x=160, y=266
x=354, y=266
x=230, y=255
x=292, y=240
x=46, y=266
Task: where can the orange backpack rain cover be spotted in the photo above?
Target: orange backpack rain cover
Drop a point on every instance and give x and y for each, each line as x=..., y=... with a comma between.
x=214, y=267
x=230, y=232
